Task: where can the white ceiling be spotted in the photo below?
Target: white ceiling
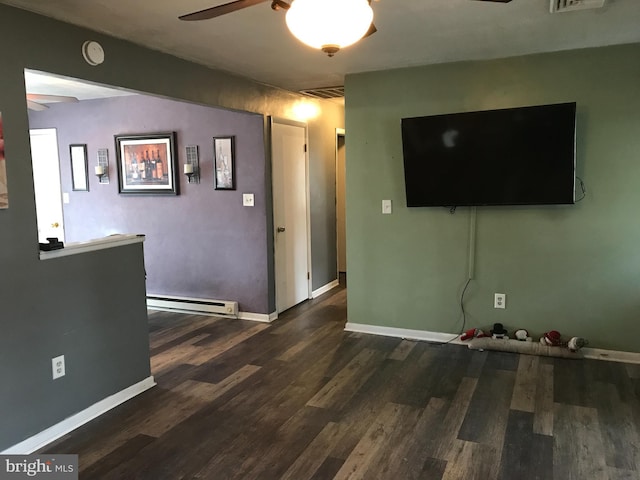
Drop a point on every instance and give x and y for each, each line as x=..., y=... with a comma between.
x=47, y=84
x=255, y=42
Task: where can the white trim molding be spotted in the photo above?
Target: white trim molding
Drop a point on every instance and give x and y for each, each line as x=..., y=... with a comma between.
x=403, y=333
x=258, y=317
x=325, y=289
x=611, y=355
x=60, y=429
x=590, y=353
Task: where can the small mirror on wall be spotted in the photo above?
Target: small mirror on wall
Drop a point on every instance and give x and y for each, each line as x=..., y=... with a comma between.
x=79, y=177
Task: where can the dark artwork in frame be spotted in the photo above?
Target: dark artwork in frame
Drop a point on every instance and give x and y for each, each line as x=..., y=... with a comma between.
x=147, y=164
x=224, y=163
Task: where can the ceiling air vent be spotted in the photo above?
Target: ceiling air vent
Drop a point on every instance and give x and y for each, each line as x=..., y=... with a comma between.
x=327, y=92
x=571, y=5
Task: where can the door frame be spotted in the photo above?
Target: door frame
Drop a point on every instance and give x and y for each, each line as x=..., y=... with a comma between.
x=283, y=121
x=340, y=132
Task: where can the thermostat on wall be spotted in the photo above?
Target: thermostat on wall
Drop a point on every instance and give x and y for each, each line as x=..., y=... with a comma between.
x=92, y=52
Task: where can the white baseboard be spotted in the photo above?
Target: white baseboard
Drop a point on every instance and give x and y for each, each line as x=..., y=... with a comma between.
x=325, y=289
x=258, y=317
x=611, y=355
x=47, y=436
x=403, y=333
x=592, y=353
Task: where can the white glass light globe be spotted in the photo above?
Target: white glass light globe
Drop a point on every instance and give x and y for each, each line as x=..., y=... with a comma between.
x=329, y=23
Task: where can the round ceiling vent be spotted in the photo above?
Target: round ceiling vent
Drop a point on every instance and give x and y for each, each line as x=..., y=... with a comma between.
x=92, y=52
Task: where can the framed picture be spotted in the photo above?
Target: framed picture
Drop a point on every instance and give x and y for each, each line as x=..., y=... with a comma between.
x=224, y=163
x=147, y=164
x=79, y=177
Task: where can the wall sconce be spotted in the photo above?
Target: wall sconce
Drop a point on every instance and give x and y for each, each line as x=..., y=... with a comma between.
x=102, y=168
x=192, y=164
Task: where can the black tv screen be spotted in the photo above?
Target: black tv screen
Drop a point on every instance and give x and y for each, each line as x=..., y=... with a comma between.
x=513, y=156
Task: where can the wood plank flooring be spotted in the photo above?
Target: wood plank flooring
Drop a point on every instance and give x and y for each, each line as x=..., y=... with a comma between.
x=301, y=399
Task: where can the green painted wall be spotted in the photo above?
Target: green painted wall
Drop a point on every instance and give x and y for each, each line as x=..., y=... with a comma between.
x=574, y=268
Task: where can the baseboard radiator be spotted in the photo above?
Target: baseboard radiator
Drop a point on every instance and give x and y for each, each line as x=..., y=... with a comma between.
x=193, y=305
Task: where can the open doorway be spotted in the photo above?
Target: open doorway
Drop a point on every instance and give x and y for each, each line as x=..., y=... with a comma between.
x=341, y=228
x=202, y=243
x=44, y=93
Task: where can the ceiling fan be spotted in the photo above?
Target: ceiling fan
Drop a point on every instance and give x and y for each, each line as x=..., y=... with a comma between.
x=36, y=101
x=319, y=28
x=330, y=49
x=219, y=10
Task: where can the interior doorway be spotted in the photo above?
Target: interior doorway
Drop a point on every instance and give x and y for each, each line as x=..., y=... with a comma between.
x=290, y=214
x=46, y=183
x=341, y=212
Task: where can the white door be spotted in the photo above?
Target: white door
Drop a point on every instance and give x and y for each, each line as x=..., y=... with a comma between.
x=46, y=182
x=289, y=169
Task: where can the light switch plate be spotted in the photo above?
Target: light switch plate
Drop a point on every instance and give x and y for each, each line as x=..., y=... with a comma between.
x=247, y=199
x=386, y=207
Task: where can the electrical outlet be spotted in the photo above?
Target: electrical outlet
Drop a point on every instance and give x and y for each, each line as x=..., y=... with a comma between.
x=500, y=300
x=57, y=365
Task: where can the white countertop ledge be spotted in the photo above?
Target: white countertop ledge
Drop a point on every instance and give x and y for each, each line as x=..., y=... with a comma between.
x=75, y=248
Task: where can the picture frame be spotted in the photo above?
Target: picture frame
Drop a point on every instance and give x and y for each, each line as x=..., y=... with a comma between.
x=79, y=167
x=147, y=164
x=224, y=175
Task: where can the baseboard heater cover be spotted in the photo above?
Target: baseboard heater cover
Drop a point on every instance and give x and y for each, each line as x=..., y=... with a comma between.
x=193, y=305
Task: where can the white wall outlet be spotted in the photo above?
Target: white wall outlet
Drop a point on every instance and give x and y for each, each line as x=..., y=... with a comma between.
x=247, y=199
x=65, y=197
x=57, y=365
x=386, y=207
x=500, y=300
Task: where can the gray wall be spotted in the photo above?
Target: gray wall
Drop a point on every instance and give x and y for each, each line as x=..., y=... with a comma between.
x=39, y=309
x=202, y=243
x=575, y=268
x=324, y=255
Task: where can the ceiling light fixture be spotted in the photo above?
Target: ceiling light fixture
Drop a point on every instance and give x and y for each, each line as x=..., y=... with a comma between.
x=329, y=25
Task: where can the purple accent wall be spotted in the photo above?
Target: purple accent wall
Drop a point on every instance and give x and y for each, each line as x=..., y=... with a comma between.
x=202, y=243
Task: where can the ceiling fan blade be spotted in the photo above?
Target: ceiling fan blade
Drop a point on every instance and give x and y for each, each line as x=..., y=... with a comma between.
x=37, y=97
x=31, y=105
x=214, y=12
x=371, y=31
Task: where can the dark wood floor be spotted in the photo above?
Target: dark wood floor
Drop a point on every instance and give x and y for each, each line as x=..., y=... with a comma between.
x=302, y=399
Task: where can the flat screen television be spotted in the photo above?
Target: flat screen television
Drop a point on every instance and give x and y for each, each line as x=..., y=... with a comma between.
x=513, y=156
